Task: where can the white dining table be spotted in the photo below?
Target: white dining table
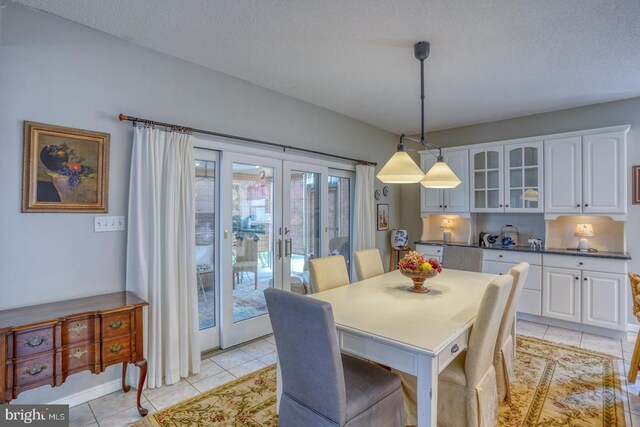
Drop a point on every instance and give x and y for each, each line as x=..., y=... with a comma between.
x=420, y=334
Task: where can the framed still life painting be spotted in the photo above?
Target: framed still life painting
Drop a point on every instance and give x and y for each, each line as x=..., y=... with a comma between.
x=383, y=217
x=64, y=169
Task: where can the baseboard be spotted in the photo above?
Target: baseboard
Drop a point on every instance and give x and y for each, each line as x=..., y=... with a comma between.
x=574, y=326
x=633, y=327
x=90, y=393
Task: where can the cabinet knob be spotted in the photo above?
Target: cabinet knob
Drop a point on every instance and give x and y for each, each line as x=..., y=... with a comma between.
x=455, y=348
x=585, y=279
x=580, y=263
x=445, y=206
x=578, y=205
x=586, y=205
x=506, y=206
x=500, y=205
x=577, y=278
x=499, y=256
x=440, y=205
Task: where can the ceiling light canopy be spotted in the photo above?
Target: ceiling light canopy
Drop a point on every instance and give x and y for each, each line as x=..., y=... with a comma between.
x=401, y=169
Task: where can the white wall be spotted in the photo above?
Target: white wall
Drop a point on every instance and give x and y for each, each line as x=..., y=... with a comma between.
x=589, y=117
x=58, y=72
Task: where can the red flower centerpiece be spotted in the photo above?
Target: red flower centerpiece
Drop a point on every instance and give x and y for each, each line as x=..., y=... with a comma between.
x=418, y=268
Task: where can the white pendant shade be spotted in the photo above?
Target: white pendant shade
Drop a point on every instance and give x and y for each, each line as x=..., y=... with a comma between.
x=440, y=176
x=400, y=169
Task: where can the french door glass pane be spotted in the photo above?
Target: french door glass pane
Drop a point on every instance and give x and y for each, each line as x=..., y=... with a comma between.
x=339, y=221
x=205, y=190
x=304, y=225
x=253, y=234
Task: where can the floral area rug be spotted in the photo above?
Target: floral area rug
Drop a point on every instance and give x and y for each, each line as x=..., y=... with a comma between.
x=554, y=385
x=558, y=385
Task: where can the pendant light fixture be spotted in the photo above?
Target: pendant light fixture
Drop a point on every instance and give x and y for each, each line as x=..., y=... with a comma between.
x=401, y=169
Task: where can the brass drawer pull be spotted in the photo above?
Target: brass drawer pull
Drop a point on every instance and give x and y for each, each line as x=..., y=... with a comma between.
x=35, y=342
x=116, y=324
x=35, y=370
x=77, y=328
x=116, y=348
x=78, y=353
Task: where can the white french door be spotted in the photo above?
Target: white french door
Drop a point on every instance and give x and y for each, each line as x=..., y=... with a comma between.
x=206, y=237
x=259, y=221
x=304, y=222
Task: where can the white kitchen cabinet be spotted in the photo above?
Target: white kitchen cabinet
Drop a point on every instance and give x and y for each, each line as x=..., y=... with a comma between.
x=523, y=177
x=563, y=175
x=603, y=173
x=430, y=251
x=561, y=294
x=603, y=300
x=454, y=200
x=431, y=199
x=487, y=179
x=586, y=174
x=500, y=262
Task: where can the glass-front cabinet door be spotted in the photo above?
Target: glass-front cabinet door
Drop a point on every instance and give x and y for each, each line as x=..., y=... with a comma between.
x=523, y=177
x=486, y=180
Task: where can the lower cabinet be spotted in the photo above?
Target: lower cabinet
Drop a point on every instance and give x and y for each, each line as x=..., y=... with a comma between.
x=531, y=297
x=587, y=297
x=561, y=291
x=603, y=300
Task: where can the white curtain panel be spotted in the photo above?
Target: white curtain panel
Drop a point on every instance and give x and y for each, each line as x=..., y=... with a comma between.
x=364, y=209
x=161, y=266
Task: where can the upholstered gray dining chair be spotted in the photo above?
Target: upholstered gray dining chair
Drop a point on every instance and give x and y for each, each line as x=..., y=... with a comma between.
x=462, y=258
x=321, y=386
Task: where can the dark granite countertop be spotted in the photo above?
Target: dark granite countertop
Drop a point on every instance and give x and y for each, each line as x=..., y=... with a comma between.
x=551, y=251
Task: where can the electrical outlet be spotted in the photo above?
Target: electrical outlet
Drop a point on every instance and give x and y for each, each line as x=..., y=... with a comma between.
x=108, y=223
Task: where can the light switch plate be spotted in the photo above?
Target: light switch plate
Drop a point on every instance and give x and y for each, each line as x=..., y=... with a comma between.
x=108, y=223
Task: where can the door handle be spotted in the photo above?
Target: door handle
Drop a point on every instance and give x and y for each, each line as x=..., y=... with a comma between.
x=279, y=248
x=287, y=248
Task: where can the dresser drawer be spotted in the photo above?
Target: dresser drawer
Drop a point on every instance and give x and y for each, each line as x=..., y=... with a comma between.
x=512, y=257
x=76, y=330
x=453, y=350
x=34, y=370
x=32, y=341
x=116, y=349
x=534, y=277
x=116, y=324
x=430, y=251
x=604, y=265
x=77, y=357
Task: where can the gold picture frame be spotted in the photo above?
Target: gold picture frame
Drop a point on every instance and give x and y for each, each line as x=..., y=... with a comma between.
x=635, y=181
x=64, y=169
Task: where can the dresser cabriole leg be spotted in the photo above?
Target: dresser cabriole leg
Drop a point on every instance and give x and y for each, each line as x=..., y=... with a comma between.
x=142, y=364
x=125, y=387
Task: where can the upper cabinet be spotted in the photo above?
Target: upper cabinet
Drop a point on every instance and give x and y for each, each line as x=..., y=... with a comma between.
x=586, y=174
x=523, y=177
x=507, y=177
x=454, y=200
x=487, y=185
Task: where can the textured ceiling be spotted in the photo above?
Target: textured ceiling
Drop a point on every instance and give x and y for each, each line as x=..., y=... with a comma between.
x=490, y=59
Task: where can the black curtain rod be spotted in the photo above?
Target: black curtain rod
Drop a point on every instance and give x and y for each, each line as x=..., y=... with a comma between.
x=124, y=117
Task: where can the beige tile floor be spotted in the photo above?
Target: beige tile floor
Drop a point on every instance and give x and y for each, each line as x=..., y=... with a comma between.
x=118, y=408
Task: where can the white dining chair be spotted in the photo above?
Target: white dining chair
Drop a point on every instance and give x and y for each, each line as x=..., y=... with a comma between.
x=504, y=352
x=368, y=263
x=467, y=393
x=328, y=273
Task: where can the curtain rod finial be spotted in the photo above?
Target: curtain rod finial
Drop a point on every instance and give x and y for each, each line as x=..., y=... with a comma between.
x=123, y=117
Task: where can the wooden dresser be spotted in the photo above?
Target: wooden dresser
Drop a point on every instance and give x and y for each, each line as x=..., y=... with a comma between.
x=44, y=344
